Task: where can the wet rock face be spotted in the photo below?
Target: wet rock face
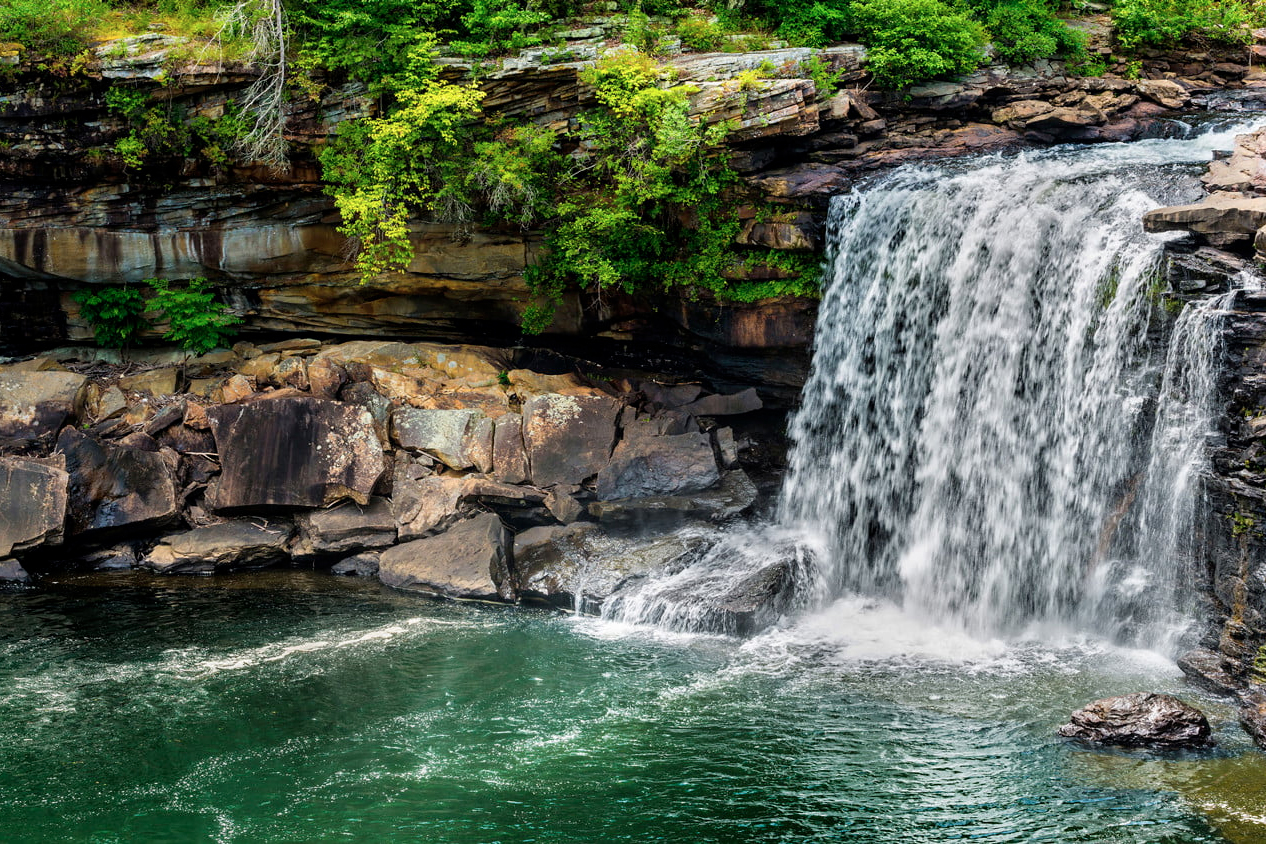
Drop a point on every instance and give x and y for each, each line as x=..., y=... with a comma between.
x=1142, y=719
x=470, y=560
x=114, y=486
x=668, y=465
x=1253, y=717
x=294, y=452
x=33, y=498
x=234, y=545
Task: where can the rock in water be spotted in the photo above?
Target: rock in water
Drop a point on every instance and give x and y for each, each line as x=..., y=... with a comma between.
x=1141, y=719
x=1253, y=716
x=469, y=560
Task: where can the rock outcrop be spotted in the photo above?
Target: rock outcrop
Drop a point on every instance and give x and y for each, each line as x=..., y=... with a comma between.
x=33, y=497
x=470, y=560
x=1142, y=719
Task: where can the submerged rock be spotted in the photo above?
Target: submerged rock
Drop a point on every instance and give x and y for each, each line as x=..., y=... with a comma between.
x=1141, y=719
x=470, y=560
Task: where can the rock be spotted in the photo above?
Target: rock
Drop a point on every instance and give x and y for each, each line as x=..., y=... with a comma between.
x=239, y=544
x=296, y=344
x=294, y=452
x=1253, y=718
x=234, y=389
x=1208, y=669
x=361, y=565
x=1226, y=215
x=325, y=378
x=33, y=499
x=35, y=405
x=665, y=423
x=447, y=434
x=727, y=447
x=747, y=607
x=259, y=368
x=745, y=402
x=107, y=404
x=670, y=395
x=426, y=506
x=1141, y=719
x=509, y=457
x=527, y=384
x=1164, y=92
x=732, y=497
x=379, y=407
x=470, y=560
x=479, y=446
x=115, y=486
x=119, y=558
x=795, y=235
x=566, y=564
x=568, y=438
x=648, y=466
x=290, y=372
x=11, y=571
x=156, y=382
x=563, y=507
x=344, y=529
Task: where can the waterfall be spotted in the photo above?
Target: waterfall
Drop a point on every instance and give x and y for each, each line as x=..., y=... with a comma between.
x=1002, y=430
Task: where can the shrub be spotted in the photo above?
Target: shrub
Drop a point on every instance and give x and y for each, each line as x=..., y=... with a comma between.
x=1167, y=22
x=1027, y=30
x=699, y=33
x=116, y=314
x=911, y=41
x=499, y=26
x=196, y=322
x=59, y=27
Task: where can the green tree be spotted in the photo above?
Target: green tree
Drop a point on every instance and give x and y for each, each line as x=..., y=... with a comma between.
x=116, y=314
x=196, y=322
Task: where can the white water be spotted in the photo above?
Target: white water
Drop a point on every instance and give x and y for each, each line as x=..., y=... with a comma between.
x=995, y=438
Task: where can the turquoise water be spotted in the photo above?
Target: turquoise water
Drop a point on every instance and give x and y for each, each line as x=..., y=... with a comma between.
x=290, y=707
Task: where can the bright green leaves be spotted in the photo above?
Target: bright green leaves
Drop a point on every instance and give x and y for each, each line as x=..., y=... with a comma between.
x=116, y=314
x=911, y=41
x=1164, y=23
x=196, y=322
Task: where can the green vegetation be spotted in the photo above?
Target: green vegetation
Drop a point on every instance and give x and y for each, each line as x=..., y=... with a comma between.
x=1165, y=23
x=195, y=321
x=1259, y=666
x=914, y=40
x=116, y=314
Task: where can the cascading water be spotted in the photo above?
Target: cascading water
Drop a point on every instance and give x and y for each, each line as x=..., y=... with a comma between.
x=991, y=433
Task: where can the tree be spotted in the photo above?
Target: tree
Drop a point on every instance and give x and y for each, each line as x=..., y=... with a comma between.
x=196, y=322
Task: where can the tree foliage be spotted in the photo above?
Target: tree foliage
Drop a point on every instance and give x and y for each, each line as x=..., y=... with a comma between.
x=196, y=322
x=115, y=314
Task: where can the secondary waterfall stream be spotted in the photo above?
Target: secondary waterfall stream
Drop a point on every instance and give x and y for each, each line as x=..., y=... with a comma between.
x=1001, y=430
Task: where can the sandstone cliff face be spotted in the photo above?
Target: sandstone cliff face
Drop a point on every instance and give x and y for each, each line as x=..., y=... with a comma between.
x=72, y=215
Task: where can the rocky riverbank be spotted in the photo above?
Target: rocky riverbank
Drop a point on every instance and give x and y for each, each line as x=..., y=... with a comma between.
x=440, y=469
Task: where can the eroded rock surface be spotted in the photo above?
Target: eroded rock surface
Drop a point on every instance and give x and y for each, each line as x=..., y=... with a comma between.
x=471, y=560
x=33, y=498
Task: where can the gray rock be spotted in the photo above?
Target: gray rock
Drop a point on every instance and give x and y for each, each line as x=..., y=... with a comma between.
x=480, y=445
x=1209, y=669
x=563, y=507
x=239, y=544
x=294, y=452
x=116, y=486
x=363, y=394
x=118, y=558
x=1253, y=717
x=509, y=463
x=727, y=447
x=648, y=466
x=33, y=498
x=664, y=423
x=731, y=405
x=11, y=571
x=1141, y=719
x=733, y=496
x=447, y=434
x=471, y=560
x=35, y=405
x=344, y=529
x=360, y=565
x=426, y=506
x=568, y=438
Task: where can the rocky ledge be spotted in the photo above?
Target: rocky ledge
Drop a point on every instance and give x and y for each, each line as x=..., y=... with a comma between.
x=438, y=469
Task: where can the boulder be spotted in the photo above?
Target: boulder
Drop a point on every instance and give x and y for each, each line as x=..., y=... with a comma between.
x=727, y=447
x=1225, y=215
x=239, y=544
x=114, y=486
x=1141, y=719
x=509, y=459
x=35, y=405
x=294, y=452
x=11, y=571
x=33, y=498
x=648, y=466
x=1163, y=92
x=1209, y=669
x=1253, y=717
x=156, y=382
x=344, y=529
x=471, y=560
x=563, y=507
x=447, y=434
x=479, y=446
x=732, y=497
x=568, y=438
x=106, y=403
x=427, y=505
x=379, y=406
x=360, y=565
x=579, y=566
x=732, y=405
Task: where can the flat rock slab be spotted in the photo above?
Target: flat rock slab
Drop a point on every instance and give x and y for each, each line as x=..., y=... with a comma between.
x=1222, y=214
x=232, y=545
x=35, y=405
x=1141, y=719
x=116, y=486
x=33, y=499
x=345, y=529
x=734, y=495
x=471, y=560
x=294, y=452
x=568, y=438
x=646, y=466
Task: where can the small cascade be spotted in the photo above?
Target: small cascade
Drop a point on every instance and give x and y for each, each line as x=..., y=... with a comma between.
x=1001, y=431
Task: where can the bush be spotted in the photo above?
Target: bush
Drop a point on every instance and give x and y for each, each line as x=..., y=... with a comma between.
x=499, y=26
x=116, y=314
x=700, y=33
x=1027, y=30
x=911, y=41
x=1165, y=23
x=59, y=27
x=196, y=322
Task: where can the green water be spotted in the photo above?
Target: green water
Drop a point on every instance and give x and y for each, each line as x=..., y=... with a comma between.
x=283, y=707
